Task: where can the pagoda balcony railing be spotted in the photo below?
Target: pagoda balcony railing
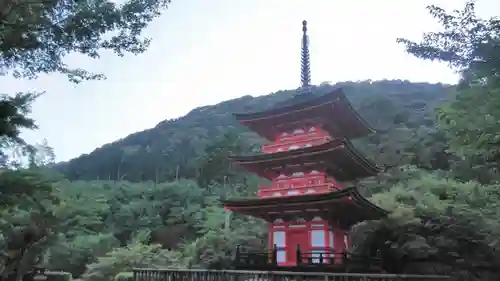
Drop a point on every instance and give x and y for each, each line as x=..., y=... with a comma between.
x=298, y=142
x=316, y=256
x=295, y=136
x=271, y=190
x=323, y=256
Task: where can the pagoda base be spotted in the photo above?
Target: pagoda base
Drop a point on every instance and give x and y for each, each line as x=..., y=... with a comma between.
x=308, y=262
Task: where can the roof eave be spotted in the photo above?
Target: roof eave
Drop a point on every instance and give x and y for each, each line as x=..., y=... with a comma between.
x=336, y=143
x=349, y=191
x=289, y=199
x=363, y=161
x=337, y=93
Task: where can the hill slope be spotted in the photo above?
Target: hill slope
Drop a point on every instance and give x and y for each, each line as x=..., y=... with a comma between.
x=397, y=109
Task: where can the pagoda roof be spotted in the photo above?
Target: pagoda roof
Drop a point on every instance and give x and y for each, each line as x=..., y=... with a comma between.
x=347, y=206
x=333, y=109
x=338, y=157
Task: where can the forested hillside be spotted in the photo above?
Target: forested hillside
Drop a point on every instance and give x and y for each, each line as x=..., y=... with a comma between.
x=153, y=199
x=396, y=109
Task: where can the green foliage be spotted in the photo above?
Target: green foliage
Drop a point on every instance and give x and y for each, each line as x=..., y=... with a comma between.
x=443, y=204
x=26, y=218
x=14, y=111
x=23, y=188
x=215, y=247
x=153, y=199
x=470, y=45
x=37, y=35
x=467, y=43
x=214, y=164
x=427, y=194
x=446, y=244
x=438, y=225
x=35, y=38
x=73, y=254
x=94, y=219
x=129, y=257
x=474, y=135
x=439, y=222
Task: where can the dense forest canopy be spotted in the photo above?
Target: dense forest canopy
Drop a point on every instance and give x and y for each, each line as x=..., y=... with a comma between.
x=152, y=198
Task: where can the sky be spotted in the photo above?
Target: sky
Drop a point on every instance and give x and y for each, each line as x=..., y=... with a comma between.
x=205, y=52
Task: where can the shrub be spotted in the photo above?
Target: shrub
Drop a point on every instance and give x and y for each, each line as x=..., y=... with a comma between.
x=126, y=258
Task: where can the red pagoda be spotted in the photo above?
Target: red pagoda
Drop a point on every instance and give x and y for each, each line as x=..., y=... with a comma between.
x=308, y=160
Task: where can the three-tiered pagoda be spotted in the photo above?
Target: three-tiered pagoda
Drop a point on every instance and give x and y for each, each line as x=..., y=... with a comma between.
x=309, y=160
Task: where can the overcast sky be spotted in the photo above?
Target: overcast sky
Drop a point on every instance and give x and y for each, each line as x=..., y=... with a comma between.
x=204, y=52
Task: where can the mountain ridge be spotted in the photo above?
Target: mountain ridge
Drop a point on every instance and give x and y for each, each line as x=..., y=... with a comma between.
x=169, y=148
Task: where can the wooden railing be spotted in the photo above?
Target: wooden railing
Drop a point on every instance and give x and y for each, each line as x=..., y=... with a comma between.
x=322, y=256
x=241, y=275
x=253, y=259
x=318, y=257
x=300, y=142
x=269, y=190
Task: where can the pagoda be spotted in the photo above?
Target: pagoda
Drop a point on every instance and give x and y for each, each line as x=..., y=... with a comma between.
x=309, y=205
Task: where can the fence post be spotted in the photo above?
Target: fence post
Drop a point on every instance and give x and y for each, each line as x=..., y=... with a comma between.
x=274, y=255
x=237, y=255
x=299, y=255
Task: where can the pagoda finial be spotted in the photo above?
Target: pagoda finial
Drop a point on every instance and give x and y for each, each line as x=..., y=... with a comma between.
x=305, y=61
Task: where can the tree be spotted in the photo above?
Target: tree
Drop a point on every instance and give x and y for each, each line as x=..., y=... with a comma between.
x=437, y=225
x=214, y=164
x=13, y=118
x=26, y=216
x=35, y=37
x=134, y=255
x=446, y=244
x=471, y=46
